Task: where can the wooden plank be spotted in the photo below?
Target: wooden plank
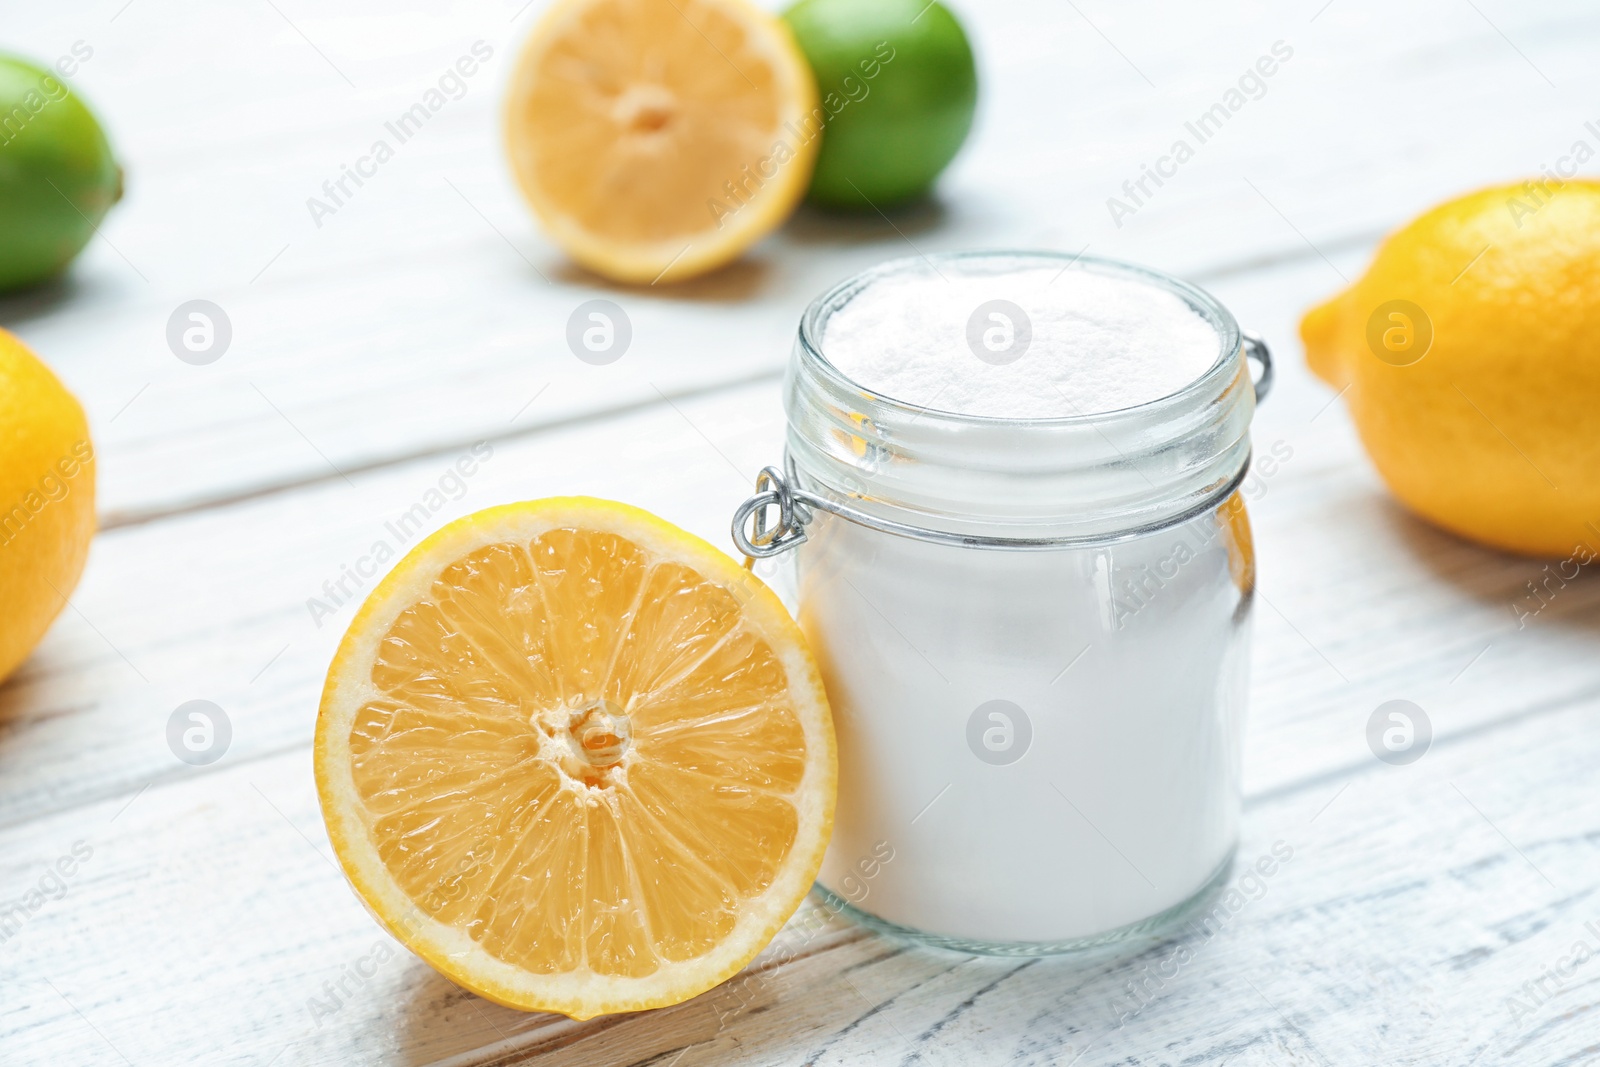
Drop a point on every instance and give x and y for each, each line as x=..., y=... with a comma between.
x=1360, y=604
x=417, y=315
x=376, y=350
x=1415, y=902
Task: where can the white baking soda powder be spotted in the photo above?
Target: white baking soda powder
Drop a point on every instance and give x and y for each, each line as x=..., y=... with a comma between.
x=1070, y=343
x=1034, y=746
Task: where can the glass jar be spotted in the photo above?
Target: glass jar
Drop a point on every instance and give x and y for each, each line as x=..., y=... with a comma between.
x=1034, y=637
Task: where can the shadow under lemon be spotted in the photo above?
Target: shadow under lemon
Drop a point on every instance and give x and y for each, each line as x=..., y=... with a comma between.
x=742, y=280
x=813, y=226
x=1531, y=592
x=21, y=306
x=811, y=230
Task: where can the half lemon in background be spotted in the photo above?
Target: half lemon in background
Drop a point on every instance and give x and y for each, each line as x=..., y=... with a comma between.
x=658, y=139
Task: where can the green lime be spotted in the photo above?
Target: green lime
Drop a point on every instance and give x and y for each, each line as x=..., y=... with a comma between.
x=57, y=176
x=898, y=86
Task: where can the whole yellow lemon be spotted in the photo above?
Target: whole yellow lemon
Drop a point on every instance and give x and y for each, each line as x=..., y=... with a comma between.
x=46, y=499
x=1470, y=358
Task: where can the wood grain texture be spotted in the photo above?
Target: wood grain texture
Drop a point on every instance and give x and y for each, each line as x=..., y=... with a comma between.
x=428, y=310
x=428, y=314
x=1415, y=903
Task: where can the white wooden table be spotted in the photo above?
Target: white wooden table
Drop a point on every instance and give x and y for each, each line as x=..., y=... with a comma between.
x=1430, y=912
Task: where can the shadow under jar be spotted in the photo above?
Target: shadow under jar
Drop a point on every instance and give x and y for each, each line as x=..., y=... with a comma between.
x=1033, y=633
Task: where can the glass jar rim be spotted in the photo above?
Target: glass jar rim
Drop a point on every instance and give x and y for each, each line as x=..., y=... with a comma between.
x=1088, y=475
x=813, y=323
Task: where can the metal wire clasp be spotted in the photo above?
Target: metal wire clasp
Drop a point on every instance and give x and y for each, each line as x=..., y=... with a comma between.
x=1256, y=351
x=772, y=489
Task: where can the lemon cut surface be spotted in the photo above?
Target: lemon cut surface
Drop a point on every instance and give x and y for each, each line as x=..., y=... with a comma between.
x=576, y=758
x=658, y=139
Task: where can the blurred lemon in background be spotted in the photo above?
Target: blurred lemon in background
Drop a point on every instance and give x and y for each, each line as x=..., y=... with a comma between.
x=658, y=139
x=57, y=175
x=899, y=87
x=46, y=499
x=1470, y=356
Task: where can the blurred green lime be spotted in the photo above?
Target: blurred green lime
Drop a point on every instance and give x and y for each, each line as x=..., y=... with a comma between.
x=57, y=176
x=897, y=80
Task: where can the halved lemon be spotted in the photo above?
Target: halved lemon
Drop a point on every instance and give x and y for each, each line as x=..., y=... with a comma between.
x=576, y=758
x=658, y=139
